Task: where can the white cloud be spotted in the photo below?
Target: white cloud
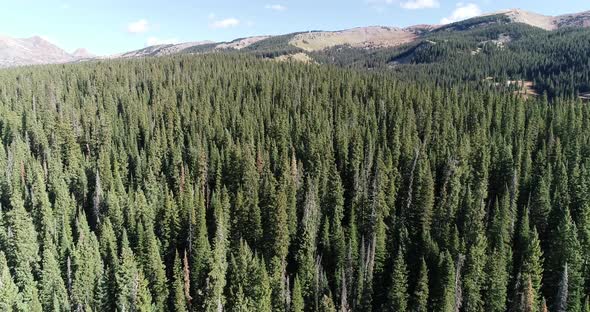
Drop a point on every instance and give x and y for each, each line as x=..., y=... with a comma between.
x=151, y=41
x=139, y=26
x=420, y=4
x=224, y=23
x=463, y=11
x=276, y=7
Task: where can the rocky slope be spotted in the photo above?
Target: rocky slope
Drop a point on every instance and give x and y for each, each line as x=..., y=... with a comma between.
x=363, y=37
x=581, y=19
x=83, y=54
x=34, y=51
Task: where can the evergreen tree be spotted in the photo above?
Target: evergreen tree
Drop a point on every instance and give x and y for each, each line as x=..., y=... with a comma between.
x=297, y=302
x=10, y=298
x=215, y=299
x=248, y=282
x=178, y=299
x=473, y=279
x=132, y=292
x=565, y=251
x=200, y=252
x=154, y=268
x=22, y=249
x=397, y=298
x=421, y=292
x=444, y=296
x=540, y=205
x=306, y=255
x=532, y=268
x=86, y=266
x=52, y=290
x=495, y=289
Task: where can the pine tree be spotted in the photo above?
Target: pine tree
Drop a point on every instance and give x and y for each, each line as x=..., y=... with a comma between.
x=110, y=255
x=540, y=206
x=444, y=296
x=215, y=299
x=423, y=201
x=278, y=234
x=421, y=292
x=532, y=266
x=10, y=298
x=327, y=305
x=154, y=268
x=200, y=253
x=248, y=282
x=397, y=298
x=297, y=302
x=142, y=296
x=52, y=288
x=473, y=278
x=495, y=289
x=586, y=305
x=562, y=297
x=168, y=227
x=131, y=283
x=335, y=202
x=565, y=250
x=306, y=255
x=252, y=218
x=86, y=265
x=178, y=300
x=22, y=249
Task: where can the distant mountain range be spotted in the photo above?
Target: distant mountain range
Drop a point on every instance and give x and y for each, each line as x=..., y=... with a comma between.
x=36, y=50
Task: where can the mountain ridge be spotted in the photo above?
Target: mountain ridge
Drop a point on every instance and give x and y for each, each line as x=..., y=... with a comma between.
x=36, y=50
x=384, y=36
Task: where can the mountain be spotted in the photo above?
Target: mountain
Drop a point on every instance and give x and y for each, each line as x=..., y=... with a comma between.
x=28, y=51
x=82, y=53
x=33, y=51
x=549, y=22
x=160, y=50
x=573, y=20
x=363, y=37
x=371, y=37
x=306, y=45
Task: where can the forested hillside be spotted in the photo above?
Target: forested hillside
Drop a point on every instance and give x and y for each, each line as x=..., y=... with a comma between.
x=228, y=183
x=556, y=62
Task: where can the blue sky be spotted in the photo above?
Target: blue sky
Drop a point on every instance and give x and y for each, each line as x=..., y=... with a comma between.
x=110, y=26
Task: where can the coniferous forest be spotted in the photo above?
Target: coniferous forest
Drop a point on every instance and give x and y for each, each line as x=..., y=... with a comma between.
x=230, y=183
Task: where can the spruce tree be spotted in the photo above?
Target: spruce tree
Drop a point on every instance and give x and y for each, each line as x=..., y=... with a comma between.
x=52, y=290
x=86, y=266
x=397, y=298
x=215, y=299
x=154, y=268
x=297, y=302
x=177, y=292
x=473, y=278
x=421, y=292
x=200, y=252
x=10, y=298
